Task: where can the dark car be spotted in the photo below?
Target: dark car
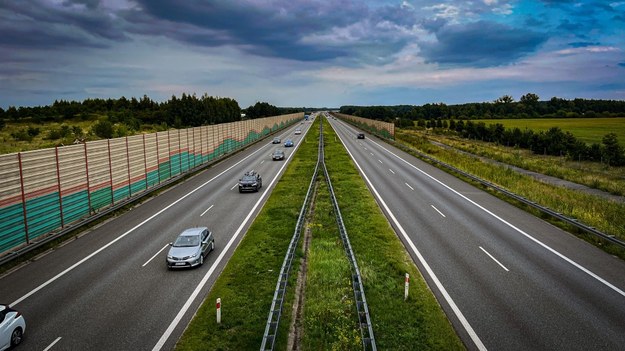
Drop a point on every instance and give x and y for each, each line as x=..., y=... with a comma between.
x=277, y=155
x=251, y=181
x=361, y=135
x=190, y=248
x=288, y=143
x=276, y=140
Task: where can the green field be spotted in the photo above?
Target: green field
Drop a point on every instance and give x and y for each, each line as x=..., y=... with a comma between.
x=589, y=130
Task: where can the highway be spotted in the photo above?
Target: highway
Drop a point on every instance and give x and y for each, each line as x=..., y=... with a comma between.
x=110, y=289
x=506, y=279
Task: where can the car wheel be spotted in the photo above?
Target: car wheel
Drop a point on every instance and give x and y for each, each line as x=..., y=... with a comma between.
x=212, y=246
x=16, y=337
x=240, y=191
x=201, y=259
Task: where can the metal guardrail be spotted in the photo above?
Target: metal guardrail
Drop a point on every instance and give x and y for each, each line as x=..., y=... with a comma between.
x=275, y=312
x=364, y=319
x=571, y=221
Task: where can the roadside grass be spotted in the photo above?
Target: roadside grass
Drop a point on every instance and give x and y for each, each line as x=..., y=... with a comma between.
x=589, y=130
x=591, y=174
x=416, y=324
x=330, y=320
x=605, y=215
x=246, y=284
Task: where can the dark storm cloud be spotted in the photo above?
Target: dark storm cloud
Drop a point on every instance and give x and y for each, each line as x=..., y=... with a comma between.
x=270, y=29
x=481, y=44
x=41, y=25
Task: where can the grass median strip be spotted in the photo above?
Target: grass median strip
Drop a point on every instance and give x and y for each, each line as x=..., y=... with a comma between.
x=330, y=321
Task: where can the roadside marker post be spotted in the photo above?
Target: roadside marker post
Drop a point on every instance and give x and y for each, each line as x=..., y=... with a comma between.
x=218, y=310
x=406, y=286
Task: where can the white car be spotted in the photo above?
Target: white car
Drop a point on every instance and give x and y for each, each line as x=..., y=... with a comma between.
x=12, y=327
x=298, y=131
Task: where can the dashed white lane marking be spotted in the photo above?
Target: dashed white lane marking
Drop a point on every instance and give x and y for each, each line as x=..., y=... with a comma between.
x=203, y=213
x=156, y=254
x=53, y=343
x=439, y=212
x=494, y=259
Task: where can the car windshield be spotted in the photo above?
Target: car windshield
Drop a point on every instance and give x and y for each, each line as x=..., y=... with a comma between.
x=187, y=241
x=248, y=178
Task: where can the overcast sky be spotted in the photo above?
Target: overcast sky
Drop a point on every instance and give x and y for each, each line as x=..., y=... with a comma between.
x=314, y=53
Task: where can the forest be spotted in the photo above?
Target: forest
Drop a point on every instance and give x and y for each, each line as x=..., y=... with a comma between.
x=529, y=106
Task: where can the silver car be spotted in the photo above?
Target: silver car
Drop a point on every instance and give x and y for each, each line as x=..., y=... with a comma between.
x=190, y=248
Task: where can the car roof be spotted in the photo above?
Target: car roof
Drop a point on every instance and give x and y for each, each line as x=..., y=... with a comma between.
x=193, y=231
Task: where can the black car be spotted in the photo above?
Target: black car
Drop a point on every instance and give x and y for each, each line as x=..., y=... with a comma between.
x=361, y=135
x=251, y=181
x=277, y=155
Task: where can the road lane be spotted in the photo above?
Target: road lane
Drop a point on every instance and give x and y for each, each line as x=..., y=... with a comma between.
x=97, y=292
x=548, y=300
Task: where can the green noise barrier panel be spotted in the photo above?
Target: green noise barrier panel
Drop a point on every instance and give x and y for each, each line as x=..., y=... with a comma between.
x=45, y=191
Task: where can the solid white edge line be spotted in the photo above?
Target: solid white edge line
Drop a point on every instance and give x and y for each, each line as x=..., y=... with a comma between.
x=161, y=342
x=439, y=212
x=49, y=281
x=53, y=343
x=476, y=340
x=494, y=259
x=156, y=254
x=545, y=246
x=203, y=213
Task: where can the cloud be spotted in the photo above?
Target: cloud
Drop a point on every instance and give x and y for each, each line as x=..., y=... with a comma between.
x=481, y=44
x=42, y=24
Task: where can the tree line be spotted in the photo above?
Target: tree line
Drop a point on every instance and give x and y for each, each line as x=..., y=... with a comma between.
x=185, y=111
x=528, y=106
x=554, y=141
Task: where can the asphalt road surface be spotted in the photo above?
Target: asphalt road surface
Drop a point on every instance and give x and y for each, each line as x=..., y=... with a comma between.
x=506, y=279
x=110, y=289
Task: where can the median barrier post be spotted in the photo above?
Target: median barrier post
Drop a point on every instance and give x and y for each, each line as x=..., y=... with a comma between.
x=406, y=286
x=218, y=310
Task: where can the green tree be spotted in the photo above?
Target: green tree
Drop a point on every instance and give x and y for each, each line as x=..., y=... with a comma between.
x=613, y=153
x=103, y=129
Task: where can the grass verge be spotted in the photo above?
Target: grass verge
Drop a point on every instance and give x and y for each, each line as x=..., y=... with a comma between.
x=591, y=174
x=415, y=324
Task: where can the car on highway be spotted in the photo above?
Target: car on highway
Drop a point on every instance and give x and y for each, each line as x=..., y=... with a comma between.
x=288, y=143
x=12, y=327
x=190, y=248
x=360, y=135
x=251, y=181
x=276, y=140
x=277, y=155
x=298, y=131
